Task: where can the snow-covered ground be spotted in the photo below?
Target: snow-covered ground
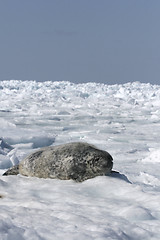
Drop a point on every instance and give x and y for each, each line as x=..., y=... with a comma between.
x=121, y=119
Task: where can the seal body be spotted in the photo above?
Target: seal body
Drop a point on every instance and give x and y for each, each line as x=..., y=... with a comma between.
x=78, y=161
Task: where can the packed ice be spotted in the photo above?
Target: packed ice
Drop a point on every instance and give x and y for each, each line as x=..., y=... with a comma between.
x=121, y=119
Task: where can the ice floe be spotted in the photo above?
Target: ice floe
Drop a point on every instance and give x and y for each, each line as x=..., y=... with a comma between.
x=121, y=119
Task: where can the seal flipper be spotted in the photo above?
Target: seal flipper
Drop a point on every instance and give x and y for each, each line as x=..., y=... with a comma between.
x=12, y=171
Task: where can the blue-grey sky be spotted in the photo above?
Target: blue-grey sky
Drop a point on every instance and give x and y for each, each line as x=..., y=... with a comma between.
x=109, y=41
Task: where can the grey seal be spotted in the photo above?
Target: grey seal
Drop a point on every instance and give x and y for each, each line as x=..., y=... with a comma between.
x=78, y=161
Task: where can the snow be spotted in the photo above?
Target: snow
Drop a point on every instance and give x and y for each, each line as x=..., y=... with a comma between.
x=121, y=119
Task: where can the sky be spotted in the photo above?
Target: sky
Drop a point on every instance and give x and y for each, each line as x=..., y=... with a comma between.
x=106, y=41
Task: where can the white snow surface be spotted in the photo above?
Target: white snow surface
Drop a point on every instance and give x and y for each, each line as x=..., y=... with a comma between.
x=121, y=119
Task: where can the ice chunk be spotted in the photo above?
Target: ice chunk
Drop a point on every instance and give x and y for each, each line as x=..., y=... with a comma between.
x=4, y=147
x=153, y=157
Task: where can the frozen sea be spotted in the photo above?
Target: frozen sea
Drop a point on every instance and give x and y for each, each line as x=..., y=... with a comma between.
x=121, y=119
